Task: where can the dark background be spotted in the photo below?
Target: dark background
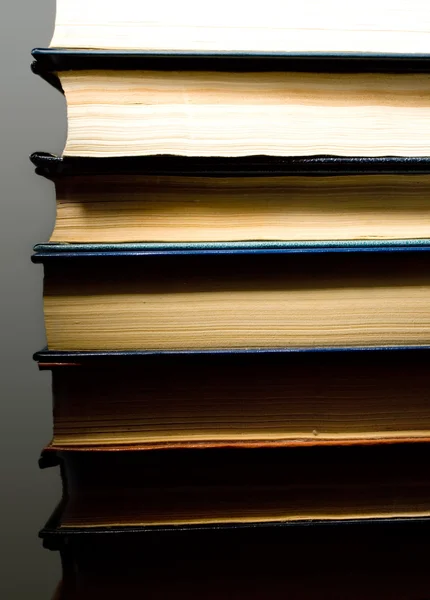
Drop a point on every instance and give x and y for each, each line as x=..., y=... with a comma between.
x=32, y=117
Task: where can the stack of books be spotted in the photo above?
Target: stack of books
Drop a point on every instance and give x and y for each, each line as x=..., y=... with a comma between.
x=237, y=299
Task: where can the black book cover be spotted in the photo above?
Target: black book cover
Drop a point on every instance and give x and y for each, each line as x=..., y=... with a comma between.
x=51, y=166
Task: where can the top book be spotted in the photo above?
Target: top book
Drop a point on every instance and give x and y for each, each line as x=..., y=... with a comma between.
x=332, y=26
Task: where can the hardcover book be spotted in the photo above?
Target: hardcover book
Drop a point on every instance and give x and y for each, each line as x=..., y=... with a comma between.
x=237, y=299
x=385, y=559
x=164, y=489
x=110, y=208
x=248, y=300
x=244, y=400
x=253, y=111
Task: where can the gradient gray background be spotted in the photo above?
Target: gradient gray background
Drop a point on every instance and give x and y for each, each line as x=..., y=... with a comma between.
x=32, y=117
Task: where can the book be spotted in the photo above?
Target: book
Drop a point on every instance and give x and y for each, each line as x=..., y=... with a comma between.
x=384, y=559
x=232, y=114
x=115, y=208
x=238, y=400
x=202, y=488
x=237, y=300
x=228, y=26
x=203, y=300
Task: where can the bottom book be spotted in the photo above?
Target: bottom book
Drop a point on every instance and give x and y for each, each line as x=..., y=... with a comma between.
x=298, y=523
x=373, y=560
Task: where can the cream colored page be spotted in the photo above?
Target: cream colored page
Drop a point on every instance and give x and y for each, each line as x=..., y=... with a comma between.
x=386, y=26
x=237, y=114
x=343, y=316
x=176, y=209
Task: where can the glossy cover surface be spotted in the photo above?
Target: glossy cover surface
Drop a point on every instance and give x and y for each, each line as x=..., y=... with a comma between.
x=48, y=252
x=58, y=59
x=53, y=358
x=52, y=166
